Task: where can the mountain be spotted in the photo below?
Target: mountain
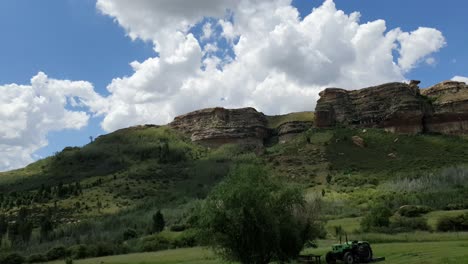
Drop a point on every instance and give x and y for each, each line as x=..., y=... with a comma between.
x=359, y=146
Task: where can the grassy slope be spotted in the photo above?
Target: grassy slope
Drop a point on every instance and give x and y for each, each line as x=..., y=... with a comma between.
x=129, y=167
x=276, y=121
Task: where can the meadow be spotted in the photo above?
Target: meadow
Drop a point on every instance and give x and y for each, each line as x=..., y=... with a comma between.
x=447, y=252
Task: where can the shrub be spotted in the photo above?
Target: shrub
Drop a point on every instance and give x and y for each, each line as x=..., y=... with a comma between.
x=78, y=251
x=12, y=259
x=69, y=261
x=453, y=223
x=178, y=228
x=129, y=234
x=37, y=258
x=57, y=253
x=377, y=218
x=413, y=210
x=103, y=249
x=154, y=243
x=187, y=239
x=408, y=224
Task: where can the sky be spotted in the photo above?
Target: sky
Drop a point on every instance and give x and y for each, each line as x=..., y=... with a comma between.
x=71, y=69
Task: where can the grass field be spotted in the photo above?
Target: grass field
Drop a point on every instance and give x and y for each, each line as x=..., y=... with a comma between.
x=446, y=252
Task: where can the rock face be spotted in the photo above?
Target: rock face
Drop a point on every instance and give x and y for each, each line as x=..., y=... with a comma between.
x=396, y=107
x=288, y=130
x=216, y=126
x=450, y=108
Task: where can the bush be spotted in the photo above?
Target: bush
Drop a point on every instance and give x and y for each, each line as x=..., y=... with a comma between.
x=78, y=251
x=187, y=239
x=376, y=219
x=413, y=210
x=37, y=258
x=408, y=224
x=154, y=243
x=12, y=259
x=178, y=228
x=57, y=253
x=129, y=234
x=454, y=223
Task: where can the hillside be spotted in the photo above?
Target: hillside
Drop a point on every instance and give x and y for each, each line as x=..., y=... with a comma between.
x=106, y=193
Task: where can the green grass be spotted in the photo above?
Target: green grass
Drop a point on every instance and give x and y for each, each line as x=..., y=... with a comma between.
x=415, y=154
x=433, y=217
x=444, y=252
x=349, y=224
x=276, y=121
x=188, y=256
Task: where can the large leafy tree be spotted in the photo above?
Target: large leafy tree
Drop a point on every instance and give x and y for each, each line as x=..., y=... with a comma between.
x=253, y=218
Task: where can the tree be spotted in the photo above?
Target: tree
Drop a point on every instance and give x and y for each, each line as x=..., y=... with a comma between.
x=158, y=222
x=46, y=227
x=3, y=226
x=252, y=218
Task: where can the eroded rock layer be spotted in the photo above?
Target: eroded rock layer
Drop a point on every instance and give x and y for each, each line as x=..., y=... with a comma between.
x=397, y=107
x=449, y=101
x=216, y=126
x=289, y=130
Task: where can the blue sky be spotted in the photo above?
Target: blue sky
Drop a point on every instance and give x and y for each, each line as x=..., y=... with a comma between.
x=75, y=40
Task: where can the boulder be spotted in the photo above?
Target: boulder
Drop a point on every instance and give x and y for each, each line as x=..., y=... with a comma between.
x=358, y=141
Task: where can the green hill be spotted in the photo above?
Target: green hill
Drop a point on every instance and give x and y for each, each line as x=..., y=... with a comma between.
x=96, y=193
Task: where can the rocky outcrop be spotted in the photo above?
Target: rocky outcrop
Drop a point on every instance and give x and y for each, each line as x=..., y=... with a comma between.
x=396, y=107
x=288, y=130
x=449, y=101
x=216, y=126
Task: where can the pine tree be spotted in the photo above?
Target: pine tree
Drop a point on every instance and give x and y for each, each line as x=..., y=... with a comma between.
x=158, y=222
x=3, y=226
x=46, y=227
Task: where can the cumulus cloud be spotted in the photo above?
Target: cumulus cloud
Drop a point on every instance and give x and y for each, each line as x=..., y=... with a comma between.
x=279, y=61
x=256, y=53
x=29, y=112
x=460, y=79
x=417, y=45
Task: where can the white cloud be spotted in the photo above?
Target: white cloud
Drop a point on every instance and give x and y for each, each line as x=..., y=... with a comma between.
x=207, y=31
x=430, y=61
x=273, y=60
x=281, y=62
x=460, y=79
x=29, y=112
x=417, y=45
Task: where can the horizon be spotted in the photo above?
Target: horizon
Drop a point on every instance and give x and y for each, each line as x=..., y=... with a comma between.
x=92, y=67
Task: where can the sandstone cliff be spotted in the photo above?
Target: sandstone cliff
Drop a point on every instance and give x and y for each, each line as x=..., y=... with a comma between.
x=215, y=126
x=288, y=130
x=450, y=108
x=397, y=107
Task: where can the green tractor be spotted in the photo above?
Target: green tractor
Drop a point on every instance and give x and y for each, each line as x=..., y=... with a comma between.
x=351, y=252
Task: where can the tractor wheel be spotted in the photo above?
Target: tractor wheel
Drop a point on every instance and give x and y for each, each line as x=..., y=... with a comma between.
x=330, y=258
x=348, y=258
x=365, y=253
